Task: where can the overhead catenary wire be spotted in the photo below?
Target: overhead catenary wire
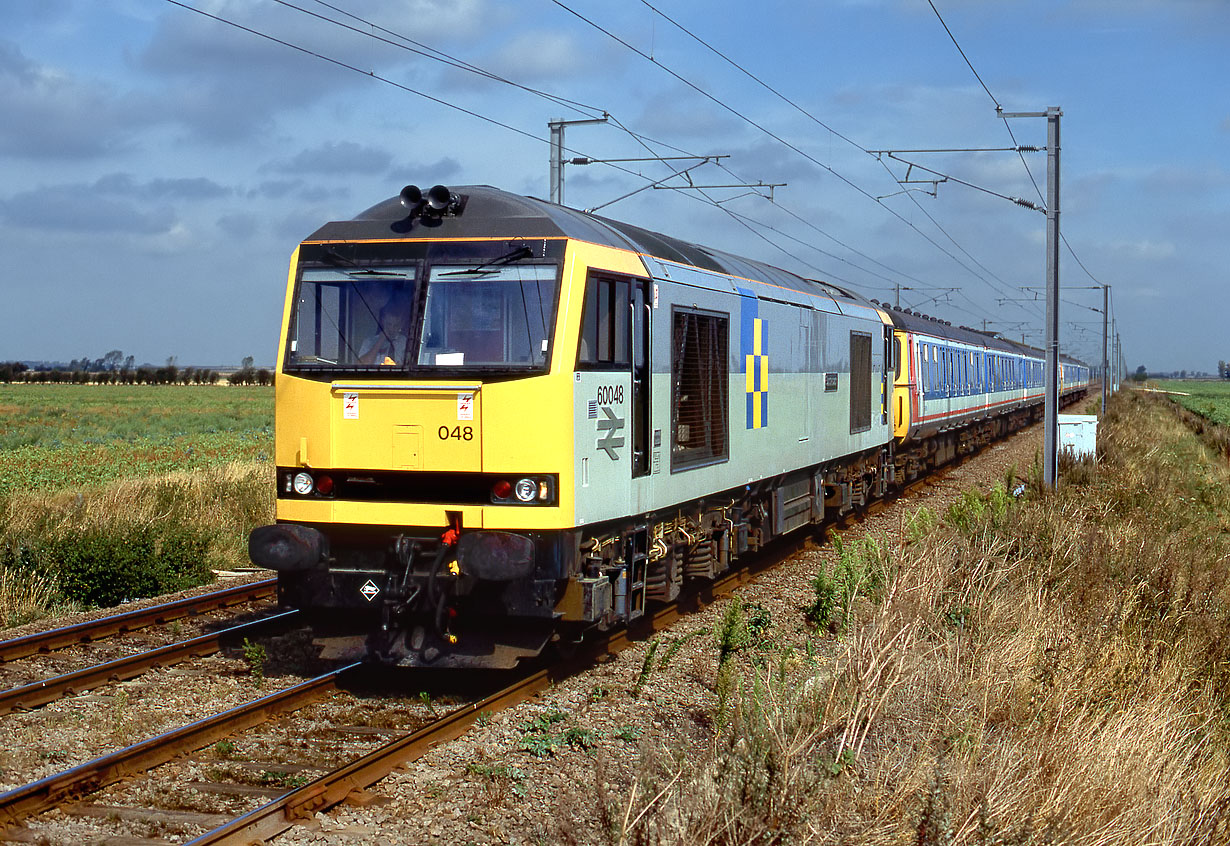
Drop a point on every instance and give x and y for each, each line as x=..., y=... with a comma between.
x=743, y=220
x=433, y=54
x=413, y=46
x=1008, y=126
x=740, y=115
x=373, y=75
x=447, y=59
x=644, y=141
x=820, y=123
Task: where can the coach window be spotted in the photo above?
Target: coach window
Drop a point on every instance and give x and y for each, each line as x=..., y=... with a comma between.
x=700, y=368
x=604, y=324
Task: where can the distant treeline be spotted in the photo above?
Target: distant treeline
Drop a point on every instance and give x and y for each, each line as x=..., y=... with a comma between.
x=114, y=369
x=18, y=372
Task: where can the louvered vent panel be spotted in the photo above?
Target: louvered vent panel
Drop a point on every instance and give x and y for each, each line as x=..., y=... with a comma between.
x=699, y=384
x=860, y=382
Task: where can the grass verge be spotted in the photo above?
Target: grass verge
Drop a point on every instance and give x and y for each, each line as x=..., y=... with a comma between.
x=1053, y=668
x=114, y=492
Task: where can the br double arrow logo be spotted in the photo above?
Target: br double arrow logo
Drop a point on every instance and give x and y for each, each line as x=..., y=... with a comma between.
x=610, y=431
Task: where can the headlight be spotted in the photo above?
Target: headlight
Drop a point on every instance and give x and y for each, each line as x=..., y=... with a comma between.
x=526, y=490
x=303, y=483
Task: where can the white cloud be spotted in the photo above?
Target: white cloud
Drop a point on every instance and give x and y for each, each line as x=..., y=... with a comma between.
x=540, y=55
x=1144, y=249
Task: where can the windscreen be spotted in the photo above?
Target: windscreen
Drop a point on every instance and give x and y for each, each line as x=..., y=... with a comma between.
x=423, y=318
x=488, y=318
x=347, y=318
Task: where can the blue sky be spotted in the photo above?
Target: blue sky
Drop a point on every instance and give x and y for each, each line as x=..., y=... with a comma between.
x=157, y=167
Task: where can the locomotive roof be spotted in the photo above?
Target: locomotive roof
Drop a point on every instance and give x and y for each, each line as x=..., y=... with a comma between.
x=491, y=212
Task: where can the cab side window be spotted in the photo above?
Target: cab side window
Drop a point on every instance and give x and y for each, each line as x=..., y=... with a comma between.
x=604, y=324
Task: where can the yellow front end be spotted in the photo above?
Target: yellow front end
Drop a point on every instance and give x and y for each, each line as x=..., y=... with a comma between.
x=431, y=426
x=510, y=428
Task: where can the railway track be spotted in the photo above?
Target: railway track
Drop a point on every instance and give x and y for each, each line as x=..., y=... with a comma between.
x=339, y=784
x=353, y=779
x=42, y=795
x=38, y=693
x=93, y=630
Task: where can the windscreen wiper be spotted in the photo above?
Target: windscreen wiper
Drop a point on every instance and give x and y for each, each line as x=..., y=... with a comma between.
x=481, y=269
x=367, y=273
x=336, y=259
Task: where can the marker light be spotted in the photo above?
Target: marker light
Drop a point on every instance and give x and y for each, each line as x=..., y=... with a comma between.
x=526, y=490
x=303, y=483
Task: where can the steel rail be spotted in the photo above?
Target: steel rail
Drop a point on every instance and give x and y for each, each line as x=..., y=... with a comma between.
x=333, y=788
x=53, y=791
x=282, y=813
x=38, y=693
x=21, y=647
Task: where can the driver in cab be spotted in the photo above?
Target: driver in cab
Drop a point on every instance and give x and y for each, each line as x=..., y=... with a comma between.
x=387, y=345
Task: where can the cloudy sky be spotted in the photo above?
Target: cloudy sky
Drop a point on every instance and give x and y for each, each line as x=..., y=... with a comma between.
x=157, y=166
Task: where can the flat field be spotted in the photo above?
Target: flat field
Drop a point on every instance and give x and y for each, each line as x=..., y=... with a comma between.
x=58, y=437
x=1208, y=399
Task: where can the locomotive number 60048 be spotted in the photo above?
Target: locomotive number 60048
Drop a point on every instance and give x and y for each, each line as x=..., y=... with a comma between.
x=610, y=394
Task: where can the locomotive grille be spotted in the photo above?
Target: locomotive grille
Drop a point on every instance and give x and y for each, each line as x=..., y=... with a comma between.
x=699, y=388
x=860, y=382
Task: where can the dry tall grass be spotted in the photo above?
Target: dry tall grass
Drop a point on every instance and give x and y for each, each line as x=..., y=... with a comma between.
x=228, y=499
x=24, y=596
x=219, y=505
x=1050, y=670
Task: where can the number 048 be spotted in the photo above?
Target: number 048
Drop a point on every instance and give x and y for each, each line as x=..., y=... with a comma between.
x=461, y=433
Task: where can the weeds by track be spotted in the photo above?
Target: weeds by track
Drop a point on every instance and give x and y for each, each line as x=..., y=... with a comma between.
x=1053, y=669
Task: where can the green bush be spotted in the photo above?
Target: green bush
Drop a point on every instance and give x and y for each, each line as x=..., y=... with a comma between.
x=105, y=566
x=861, y=570
x=974, y=511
